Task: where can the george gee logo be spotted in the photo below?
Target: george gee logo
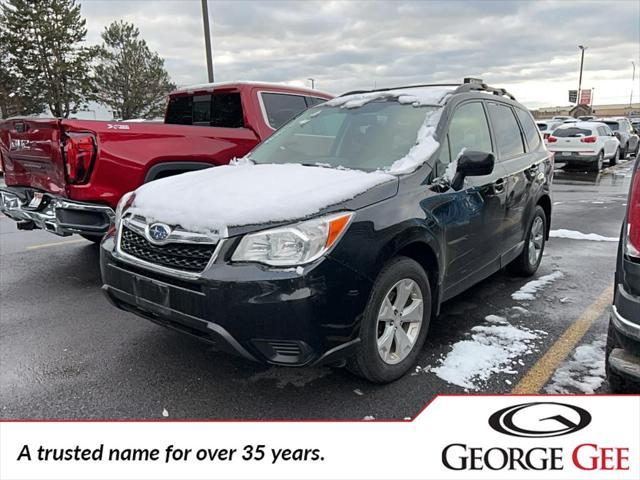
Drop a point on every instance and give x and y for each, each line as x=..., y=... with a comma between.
x=540, y=419
x=536, y=421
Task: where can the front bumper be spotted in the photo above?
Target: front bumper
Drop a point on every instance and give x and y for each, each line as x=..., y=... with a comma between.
x=53, y=213
x=276, y=316
x=625, y=361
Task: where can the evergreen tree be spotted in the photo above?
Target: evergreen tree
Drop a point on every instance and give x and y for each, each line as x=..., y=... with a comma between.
x=43, y=41
x=130, y=78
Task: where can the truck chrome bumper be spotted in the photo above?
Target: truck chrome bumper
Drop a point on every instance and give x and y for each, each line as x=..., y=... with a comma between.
x=55, y=214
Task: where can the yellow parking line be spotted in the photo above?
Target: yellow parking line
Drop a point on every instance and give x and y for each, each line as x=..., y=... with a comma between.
x=55, y=244
x=539, y=374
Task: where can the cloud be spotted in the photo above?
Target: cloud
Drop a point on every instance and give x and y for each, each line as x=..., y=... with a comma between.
x=529, y=47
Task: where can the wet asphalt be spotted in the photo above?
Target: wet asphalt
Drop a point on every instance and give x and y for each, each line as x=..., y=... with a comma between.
x=66, y=353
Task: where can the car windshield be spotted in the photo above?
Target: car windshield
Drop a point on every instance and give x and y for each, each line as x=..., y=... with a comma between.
x=571, y=132
x=369, y=137
x=612, y=125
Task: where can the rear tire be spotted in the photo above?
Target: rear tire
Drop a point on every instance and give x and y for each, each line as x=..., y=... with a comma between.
x=597, y=165
x=617, y=384
x=527, y=263
x=381, y=361
x=616, y=156
x=623, y=153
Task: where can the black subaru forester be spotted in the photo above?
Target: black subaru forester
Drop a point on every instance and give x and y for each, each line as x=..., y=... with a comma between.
x=338, y=238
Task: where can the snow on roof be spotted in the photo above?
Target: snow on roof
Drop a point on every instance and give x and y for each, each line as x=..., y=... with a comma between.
x=589, y=124
x=415, y=96
x=246, y=194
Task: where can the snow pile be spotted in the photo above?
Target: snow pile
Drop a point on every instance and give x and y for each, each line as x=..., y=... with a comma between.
x=492, y=349
x=413, y=96
x=213, y=199
x=574, y=235
x=528, y=290
x=583, y=373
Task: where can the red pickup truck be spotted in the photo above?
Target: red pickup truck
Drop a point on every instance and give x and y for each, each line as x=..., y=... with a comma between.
x=66, y=176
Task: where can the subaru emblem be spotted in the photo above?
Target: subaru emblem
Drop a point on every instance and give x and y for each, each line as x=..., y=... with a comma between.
x=158, y=232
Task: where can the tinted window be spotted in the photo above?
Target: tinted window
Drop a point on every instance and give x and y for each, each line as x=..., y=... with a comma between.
x=469, y=129
x=572, y=132
x=612, y=125
x=217, y=110
x=313, y=101
x=542, y=126
x=529, y=129
x=506, y=130
x=281, y=108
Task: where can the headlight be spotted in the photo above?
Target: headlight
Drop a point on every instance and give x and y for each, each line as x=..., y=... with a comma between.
x=125, y=202
x=293, y=245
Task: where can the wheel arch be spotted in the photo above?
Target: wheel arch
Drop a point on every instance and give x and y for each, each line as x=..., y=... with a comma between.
x=169, y=168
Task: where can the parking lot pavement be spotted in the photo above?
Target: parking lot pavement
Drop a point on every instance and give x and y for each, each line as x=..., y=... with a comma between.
x=65, y=352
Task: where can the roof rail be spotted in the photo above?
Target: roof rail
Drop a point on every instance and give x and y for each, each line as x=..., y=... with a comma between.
x=482, y=87
x=355, y=92
x=460, y=88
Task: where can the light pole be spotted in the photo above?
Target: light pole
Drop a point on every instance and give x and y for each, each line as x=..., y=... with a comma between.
x=313, y=83
x=633, y=79
x=582, y=48
x=207, y=39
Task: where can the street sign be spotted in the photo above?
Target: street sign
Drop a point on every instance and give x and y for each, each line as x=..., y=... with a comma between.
x=573, y=96
x=585, y=97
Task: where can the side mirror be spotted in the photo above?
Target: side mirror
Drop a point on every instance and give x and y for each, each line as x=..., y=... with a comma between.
x=472, y=164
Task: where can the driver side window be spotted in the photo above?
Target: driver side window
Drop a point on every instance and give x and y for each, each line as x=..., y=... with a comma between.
x=469, y=130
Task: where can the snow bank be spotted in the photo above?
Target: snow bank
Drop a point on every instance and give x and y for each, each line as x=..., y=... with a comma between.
x=492, y=349
x=575, y=235
x=583, y=373
x=214, y=199
x=528, y=290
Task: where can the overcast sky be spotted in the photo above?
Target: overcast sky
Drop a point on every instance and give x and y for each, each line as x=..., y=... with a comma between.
x=531, y=48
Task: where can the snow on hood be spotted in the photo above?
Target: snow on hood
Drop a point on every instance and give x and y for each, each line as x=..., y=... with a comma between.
x=216, y=198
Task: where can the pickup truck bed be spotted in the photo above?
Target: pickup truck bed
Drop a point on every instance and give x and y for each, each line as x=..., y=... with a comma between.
x=67, y=176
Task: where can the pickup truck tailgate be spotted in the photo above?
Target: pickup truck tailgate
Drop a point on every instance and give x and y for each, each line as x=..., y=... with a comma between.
x=32, y=154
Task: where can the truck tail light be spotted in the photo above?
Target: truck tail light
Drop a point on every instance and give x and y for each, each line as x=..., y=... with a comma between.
x=551, y=139
x=79, y=155
x=590, y=139
x=633, y=220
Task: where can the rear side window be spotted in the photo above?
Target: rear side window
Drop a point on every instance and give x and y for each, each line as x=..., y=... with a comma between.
x=529, y=129
x=572, y=132
x=469, y=129
x=281, y=107
x=506, y=130
x=613, y=126
x=542, y=126
x=218, y=110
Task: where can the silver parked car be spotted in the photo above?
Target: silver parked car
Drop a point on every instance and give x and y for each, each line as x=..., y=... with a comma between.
x=629, y=140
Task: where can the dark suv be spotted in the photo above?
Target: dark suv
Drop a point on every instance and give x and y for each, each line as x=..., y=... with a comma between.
x=623, y=342
x=340, y=236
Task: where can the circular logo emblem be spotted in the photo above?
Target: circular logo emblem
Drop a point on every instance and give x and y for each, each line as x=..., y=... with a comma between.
x=158, y=232
x=539, y=420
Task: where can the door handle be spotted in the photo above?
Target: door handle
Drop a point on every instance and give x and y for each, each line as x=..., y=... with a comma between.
x=498, y=185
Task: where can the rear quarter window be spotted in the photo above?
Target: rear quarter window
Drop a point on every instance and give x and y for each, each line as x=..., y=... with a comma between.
x=529, y=129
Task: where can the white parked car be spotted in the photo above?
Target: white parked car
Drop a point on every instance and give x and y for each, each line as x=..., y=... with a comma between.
x=585, y=144
x=561, y=118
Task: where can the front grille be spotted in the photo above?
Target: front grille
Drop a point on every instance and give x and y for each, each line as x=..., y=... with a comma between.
x=182, y=256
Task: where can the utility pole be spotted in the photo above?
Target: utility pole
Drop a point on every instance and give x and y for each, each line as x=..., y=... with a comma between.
x=207, y=39
x=633, y=79
x=313, y=83
x=583, y=48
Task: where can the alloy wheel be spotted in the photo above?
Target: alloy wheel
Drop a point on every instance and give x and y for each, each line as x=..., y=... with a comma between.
x=536, y=240
x=399, y=321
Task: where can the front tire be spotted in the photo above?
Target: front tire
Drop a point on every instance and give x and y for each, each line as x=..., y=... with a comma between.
x=395, y=322
x=527, y=263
